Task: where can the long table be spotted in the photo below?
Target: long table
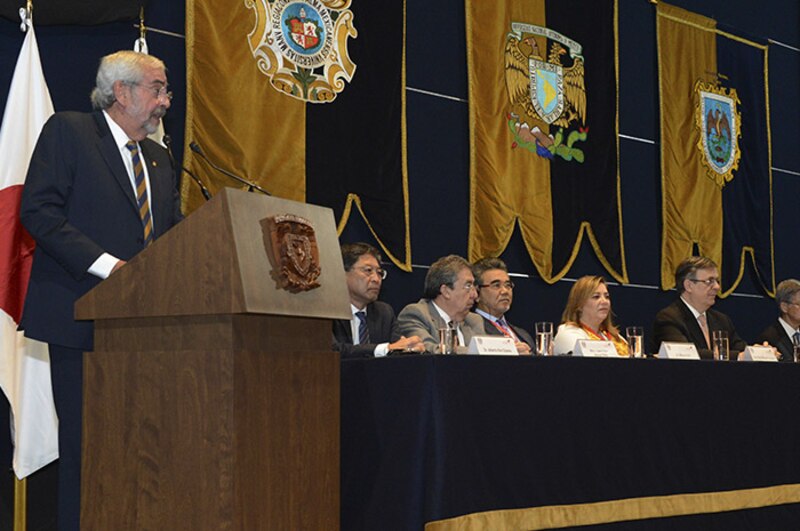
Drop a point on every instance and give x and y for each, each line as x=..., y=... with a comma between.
x=535, y=443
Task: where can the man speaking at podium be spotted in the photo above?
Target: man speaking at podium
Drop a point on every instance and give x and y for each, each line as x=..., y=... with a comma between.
x=97, y=192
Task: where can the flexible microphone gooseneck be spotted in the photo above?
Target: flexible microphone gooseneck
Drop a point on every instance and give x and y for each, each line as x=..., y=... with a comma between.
x=168, y=143
x=250, y=185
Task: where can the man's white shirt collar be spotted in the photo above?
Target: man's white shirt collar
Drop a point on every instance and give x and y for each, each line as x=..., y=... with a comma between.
x=692, y=309
x=787, y=327
x=489, y=316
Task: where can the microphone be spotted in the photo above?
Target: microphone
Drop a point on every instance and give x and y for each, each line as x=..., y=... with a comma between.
x=195, y=178
x=250, y=186
x=168, y=143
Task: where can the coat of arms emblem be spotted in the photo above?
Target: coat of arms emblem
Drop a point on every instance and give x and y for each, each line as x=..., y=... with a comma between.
x=719, y=123
x=545, y=92
x=301, y=46
x=293, y=251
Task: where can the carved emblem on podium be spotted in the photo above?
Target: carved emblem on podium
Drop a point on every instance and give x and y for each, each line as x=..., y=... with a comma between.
x=292, y=246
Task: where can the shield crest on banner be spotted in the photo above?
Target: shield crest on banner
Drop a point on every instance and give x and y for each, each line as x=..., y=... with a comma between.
x=719, y=124
x=546, y=89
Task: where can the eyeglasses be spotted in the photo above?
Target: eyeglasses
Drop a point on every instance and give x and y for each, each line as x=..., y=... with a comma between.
x=368, y=271
x=496, y=284
x=708, y=282
x=158, y=92
x=467, y=286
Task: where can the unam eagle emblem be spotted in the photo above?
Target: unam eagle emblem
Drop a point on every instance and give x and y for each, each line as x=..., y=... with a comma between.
x=545, y=93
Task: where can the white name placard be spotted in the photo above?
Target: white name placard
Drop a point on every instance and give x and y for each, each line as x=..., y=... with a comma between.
x=591, y=348
x=759, y=353
x=678, y=351
x=492, y=345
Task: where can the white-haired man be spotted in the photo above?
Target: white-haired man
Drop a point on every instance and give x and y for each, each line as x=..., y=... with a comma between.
x=97, y=192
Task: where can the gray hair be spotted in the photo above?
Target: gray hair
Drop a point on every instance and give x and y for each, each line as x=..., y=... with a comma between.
x=786, y=290
x=445, y=271
x=126, y=66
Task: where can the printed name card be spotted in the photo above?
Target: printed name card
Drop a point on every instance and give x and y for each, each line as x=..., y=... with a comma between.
x=759, y=353
x=678, y=351
x=493, y=345
x=590, y=348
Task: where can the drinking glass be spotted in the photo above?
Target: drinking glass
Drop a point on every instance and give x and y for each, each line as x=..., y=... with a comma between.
x=544, y=338
x=719, y=339
x=635, y=338
x=447, y=340
x=796, y=348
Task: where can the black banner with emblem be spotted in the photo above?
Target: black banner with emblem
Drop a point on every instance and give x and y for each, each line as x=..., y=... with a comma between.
x=355, y=146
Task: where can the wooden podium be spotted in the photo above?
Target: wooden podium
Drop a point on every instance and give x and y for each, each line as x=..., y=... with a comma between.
x=211, y=400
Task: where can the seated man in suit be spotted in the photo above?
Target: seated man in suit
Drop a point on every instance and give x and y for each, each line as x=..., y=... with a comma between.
x=690, y=319
x=372, y=329
x=785, y=332
x=495, y=295
x=448, y=297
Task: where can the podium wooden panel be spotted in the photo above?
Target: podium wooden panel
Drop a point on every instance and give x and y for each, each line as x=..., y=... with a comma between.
x=211, y=400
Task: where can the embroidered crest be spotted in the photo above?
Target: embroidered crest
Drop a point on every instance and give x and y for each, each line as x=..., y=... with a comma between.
x=293, y=251
x=545, y=92
x=301, y=46
x=719, y=123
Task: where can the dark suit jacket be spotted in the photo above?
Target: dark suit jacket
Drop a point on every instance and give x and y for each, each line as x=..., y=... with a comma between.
x=382, y=327
x=676, y=323
x=776, y=336
x=492, y=330
x=77, y=203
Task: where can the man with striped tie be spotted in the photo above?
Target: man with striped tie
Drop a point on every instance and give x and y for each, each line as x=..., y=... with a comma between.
x=495, y=295
x=372, y=331
x=97, y=193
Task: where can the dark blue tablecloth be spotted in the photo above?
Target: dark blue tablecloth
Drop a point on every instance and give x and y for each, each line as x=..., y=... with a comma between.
x=432, y=437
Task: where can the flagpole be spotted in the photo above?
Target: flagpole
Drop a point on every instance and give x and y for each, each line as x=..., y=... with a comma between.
x=21, y=485
x=20, y=503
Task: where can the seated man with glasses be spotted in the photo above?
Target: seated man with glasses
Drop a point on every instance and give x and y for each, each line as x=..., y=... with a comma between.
x=448, y=297
x=690, y=319
x=372, y=331
x=495, y=295
x=784, y=333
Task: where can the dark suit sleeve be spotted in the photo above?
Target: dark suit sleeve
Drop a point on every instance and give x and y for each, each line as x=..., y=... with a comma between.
x=47, y=190
x=776, y=336
x=382, y=328
x=343, y=343
x=523, y=335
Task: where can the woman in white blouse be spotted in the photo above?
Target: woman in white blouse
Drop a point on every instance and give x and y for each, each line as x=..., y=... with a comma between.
x=588, y=316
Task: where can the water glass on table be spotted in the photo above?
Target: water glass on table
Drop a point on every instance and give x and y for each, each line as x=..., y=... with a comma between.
x=447, y=340
x=719, y=342
x=635, y=337
x=796, y=347
x=544, y=338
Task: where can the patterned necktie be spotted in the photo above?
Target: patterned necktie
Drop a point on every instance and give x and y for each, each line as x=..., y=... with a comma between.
x=506, y=328
x=363, y=331
x=141, y=192
x=796, y=338
x=704, y=327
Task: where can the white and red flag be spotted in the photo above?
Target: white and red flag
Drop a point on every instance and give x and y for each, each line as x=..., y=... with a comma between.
x=24, y=363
